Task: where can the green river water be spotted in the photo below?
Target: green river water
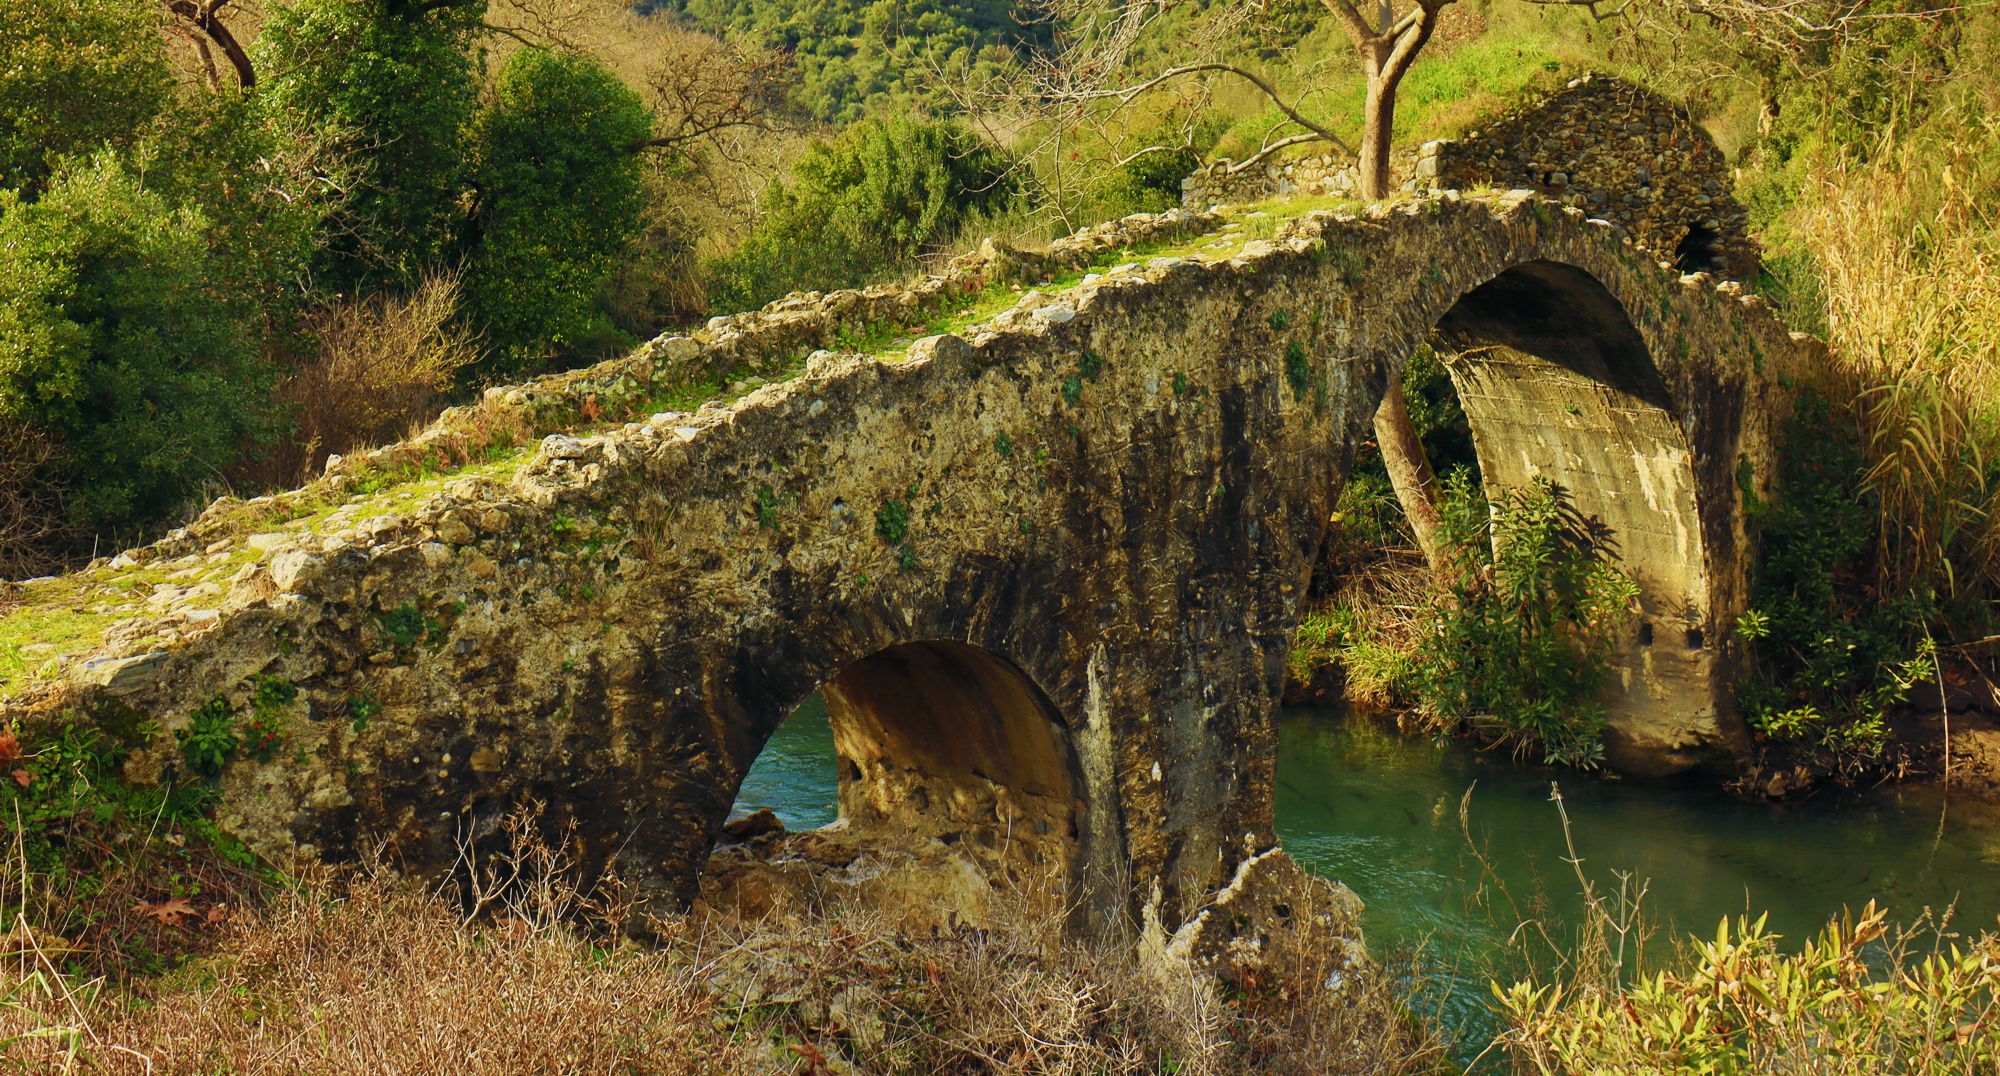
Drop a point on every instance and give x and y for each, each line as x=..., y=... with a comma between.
x=1381, y=814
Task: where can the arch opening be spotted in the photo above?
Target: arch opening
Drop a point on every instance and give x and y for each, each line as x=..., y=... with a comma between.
x=1700, y=250
x=946, y=783
x=1556, y=381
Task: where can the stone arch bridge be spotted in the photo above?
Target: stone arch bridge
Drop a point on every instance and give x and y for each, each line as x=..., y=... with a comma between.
x=1040, y=527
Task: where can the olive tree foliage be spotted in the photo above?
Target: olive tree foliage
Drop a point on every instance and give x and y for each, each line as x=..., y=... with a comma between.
x=870, y=201
x=558, y=197
x=396, y=83
x=114, y=342
x=75, y=76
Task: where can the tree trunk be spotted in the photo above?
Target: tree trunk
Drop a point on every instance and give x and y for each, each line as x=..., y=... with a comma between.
x=1377, y=131
x=1409, y=469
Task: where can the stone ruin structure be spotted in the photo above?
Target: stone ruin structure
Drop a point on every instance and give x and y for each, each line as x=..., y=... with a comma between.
x=1615, y=150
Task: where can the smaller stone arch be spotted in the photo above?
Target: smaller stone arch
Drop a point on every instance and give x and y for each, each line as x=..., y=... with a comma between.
x=959, y=796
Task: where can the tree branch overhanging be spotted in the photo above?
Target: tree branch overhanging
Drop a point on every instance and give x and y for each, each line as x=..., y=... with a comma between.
x=203, y=22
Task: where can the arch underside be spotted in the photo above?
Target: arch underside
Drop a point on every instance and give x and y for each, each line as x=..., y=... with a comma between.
x=958, y=795
x=1557, y=383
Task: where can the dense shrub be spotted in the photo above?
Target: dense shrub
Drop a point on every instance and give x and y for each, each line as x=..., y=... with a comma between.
x=1835, y=652
x=1531, y=610
x=75, y=76
x=559, y=201
x=116, y=345
x=395, y=83
x=864, y=204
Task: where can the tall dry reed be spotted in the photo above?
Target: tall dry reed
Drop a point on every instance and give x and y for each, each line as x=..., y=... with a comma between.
x=1908, y=244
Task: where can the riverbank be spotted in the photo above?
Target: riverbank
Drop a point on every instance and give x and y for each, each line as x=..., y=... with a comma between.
x=368, y=972
x=1945, y=735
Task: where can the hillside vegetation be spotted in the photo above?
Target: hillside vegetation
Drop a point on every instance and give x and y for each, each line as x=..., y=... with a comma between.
x=228, y=255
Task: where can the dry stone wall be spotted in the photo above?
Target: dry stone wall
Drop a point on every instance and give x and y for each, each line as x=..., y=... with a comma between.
x=1102, y=503
x=1614, y=150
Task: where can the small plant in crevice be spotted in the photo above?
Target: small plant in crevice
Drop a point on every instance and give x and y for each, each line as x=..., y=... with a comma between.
x=264, y=731
x=1090, y=366
x=1520, y=635
x=210, y=738
x=1298, y=369
x=892, y=525
x=767, y=508
x=361, y=709
x=892, y=521
x=408, y=624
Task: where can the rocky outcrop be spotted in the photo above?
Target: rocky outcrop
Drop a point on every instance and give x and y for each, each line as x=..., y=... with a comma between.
x=1046, y=564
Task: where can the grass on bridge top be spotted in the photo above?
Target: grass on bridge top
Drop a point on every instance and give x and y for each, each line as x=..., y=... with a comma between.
x=45, y=621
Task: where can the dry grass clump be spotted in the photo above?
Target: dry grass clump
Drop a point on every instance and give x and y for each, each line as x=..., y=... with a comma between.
x=383, y=979
x=377, y=975
x=1908, y=246
x=377, y=365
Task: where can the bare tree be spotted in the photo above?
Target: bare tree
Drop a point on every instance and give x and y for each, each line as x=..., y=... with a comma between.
x=1388, y=46
x=33, y=532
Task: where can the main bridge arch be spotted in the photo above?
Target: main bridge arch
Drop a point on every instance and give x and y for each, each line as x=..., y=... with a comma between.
x=1112, y=494
x=1558, y=383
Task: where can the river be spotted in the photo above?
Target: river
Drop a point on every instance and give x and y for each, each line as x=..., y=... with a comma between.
x=1382, y=814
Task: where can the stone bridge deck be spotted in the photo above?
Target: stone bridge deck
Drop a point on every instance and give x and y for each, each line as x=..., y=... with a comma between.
x=1040, y=527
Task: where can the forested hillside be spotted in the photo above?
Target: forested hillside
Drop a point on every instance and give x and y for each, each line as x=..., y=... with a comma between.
x=853, y=57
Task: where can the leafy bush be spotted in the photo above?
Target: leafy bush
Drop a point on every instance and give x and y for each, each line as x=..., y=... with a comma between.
x=395, y=83
x=76, y=76
x=1835, y=652
x=1852, y=1001
x=560, y=198
x=864, y=204
x=95, y=861
x=1533, y=605
x=116, y=345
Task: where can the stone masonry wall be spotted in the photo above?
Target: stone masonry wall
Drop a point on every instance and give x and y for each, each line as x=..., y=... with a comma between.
x=1617, y=151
